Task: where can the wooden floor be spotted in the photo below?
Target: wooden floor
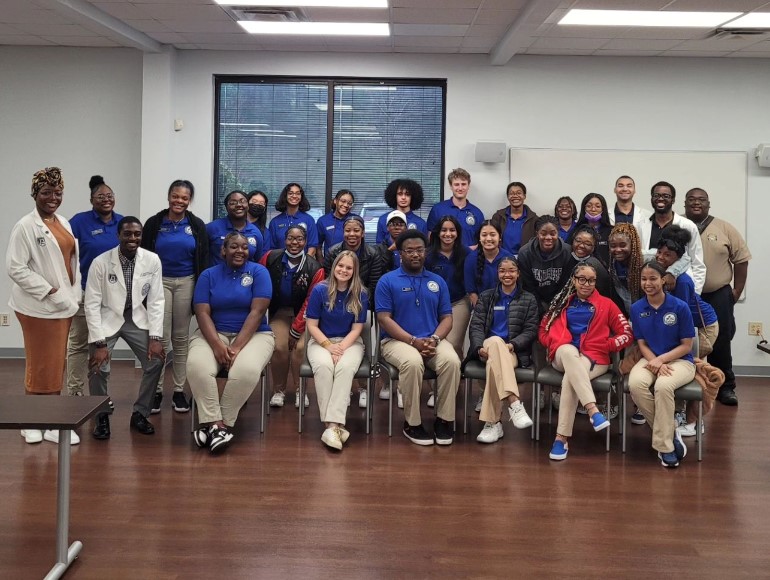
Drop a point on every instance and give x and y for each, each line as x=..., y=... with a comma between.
x=282, y=506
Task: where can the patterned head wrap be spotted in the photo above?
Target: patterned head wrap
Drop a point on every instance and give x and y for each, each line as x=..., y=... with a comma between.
x=48, y=176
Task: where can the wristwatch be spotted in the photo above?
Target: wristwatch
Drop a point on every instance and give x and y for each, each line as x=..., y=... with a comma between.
x=436, y=337
x=100, y=344
x=158, y=338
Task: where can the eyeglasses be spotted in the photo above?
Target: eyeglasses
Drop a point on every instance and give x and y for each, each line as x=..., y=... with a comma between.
x=696, y=201
x=663, y=196
x=295, y=238
x=585, y=243
x=417, y=252
x=583, y=281
x=104, y=196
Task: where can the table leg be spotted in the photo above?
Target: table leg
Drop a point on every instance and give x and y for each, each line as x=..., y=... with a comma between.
x=64, y=556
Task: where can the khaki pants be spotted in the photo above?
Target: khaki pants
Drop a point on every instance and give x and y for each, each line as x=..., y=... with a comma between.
x=654, y=395
x=242, y=379
x=177, y=314
x=576, y=384
x=411, y=367
x=501, y=379
x=283, y=360
x=77, y=354
x=461, y=316
x=333, y=382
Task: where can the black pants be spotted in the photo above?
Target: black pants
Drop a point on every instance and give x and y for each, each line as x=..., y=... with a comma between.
x=722, y=357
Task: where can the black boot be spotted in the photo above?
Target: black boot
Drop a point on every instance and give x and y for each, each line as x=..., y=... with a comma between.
x=102, y=429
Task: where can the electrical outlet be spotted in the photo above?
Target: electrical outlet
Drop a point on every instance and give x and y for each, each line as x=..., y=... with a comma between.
x=755, y=329
x=5, y=319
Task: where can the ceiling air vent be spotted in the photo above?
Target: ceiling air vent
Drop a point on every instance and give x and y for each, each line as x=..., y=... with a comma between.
x=268, y=14
x=740, y=33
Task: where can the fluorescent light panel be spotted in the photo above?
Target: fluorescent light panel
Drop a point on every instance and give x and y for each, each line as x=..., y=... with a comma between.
x=317, y=28
x=309, y=3
x=751, y=20
x=657, y=18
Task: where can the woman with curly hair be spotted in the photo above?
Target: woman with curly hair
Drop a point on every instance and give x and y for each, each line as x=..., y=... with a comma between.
x=405, y=195
x=292, y=205
x=566, y=212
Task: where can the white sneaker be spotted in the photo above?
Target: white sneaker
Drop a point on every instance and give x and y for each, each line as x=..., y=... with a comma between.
x=296, y=400
x=519, y=416
x=331, y=438
x=53, y=436
x=384, y=393
x=362, y=399
x=277, y=399
x=431, y=400
x=478, y=403
x=32, y=435
x=344, y=434
x=490, y=433
x=400, y=400
x=688, y=430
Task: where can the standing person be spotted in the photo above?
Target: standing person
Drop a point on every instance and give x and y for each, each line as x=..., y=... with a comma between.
x=236, y=206
x=231, y=299
x=180, y=240
x=467, y=215
x=625, y=210
x=517, y=221
x=625, y=266
x=293, y=273
x=42, y=262
x=565, y=211
x=579, y=331
x=96, y=231
x=663, y=196
x=593, y=212
x=480, y=268
x=124, y=299
x=542, y=261
x=336, y=314
x=502, y=330
x=292, y=205
x=726, y=256
x=258, y=215
x=330, y=225
x=406, y=196
x=664, y=330
x=415, y=316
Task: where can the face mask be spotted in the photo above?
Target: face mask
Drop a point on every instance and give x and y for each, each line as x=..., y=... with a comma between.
x=256, y=210
x=593, y=219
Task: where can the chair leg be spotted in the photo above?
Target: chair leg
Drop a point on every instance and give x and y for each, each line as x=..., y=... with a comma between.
x=535, y=412
x=301, y=399
x=466, y=397
x=537, y=397
x=623, y=428
x=193, y=422
x=263, y=391
x=369, y=403
x=609, y=398
x=390, y=407
x=698, y=433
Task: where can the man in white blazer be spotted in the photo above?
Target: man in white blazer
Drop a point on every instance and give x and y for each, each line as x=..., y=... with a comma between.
x=626, y=211
x=124, y=299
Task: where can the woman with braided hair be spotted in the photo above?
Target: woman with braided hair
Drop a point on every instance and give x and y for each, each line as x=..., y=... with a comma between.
x=481, y=263
x=625, y=265
x=579, y=331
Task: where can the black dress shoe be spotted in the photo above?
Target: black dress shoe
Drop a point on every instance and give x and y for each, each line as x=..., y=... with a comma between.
x=141, y=424
x=102, y=429
x=727, y=397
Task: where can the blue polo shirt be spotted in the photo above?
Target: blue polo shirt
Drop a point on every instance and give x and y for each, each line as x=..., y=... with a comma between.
x=282, y=221
x=94, y=237
x=500, y=315
x=564, y=234
x=337, y=322
x=413, y=222
x=287, y=277
x=470, y=218
x=219, y=228
x=330, y=230
x=416, y=302
x=229, y=294
x=685, y=291
x=489, y=277
x=512, y=233
x=443, y=266
x=175, y=246
x=579, y=315
x=662, y=329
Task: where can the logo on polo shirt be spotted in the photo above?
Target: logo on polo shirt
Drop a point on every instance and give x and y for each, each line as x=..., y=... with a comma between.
x=669, y=318
x=711, y=237
x=188, y=230
x=97, y=232
x=252, y=241
x=470, y=220
x=112, y=279
x=41, y=242
x=246, y=280
x=433, y=286
x=411, y=226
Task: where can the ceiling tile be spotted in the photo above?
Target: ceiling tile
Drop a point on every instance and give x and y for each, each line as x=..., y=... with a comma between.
x=26, y=15
x=487, y=30
x=640, y=44
x=348, y=14
x=496, y=17
x=758, y=47
x=621, y=4
x=603, y=52
x=436, y=4
x=214, y=38
x=728, y=44
x=442, y=16
x=560, y=52
x=168, y=37
x=665, y=33
x=210, y=13
x=436, y=41
x=583, y=31
x=123, y=10
x=335, y=48
x=473, y=50
x=186, y=46
x=745, y=54
x=695, y=53
x=569, y=43
x=504, y=4
x=82, y=41
x=430, y=29
x=478, y=42
x=148, y=25
x=197, y=26
x=425, y=50
x=716, y=5
x=6, y=30
x=46, y=30
x=24, y=40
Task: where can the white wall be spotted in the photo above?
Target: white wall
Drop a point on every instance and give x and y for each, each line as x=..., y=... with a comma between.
x=558, y=102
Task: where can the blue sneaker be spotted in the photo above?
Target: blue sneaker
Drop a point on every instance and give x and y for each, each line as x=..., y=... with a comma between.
x=558, y=451
x=680, y=449
x=599, y=421
x=668, y=459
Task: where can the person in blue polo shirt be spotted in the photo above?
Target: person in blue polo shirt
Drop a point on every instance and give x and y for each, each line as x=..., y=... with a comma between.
x=293, y=205
x=236, y=205
x=415, y=314
x=480, y=269
x=663, y=327
x=467, y=214
x=230, y=302
x=96, y=231
x=406, y=196
x=330, y=225
x=258, y=215
x=517, y=221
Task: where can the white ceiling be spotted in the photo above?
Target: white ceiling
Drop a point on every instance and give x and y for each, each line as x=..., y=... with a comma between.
x=500, y=28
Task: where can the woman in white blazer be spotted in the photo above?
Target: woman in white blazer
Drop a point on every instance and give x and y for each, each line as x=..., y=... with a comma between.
x=42, y=261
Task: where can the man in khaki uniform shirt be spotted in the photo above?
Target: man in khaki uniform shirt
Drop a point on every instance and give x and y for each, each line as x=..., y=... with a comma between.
x=727, y=261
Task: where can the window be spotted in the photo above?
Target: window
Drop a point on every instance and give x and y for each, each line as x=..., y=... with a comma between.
x=272, y=131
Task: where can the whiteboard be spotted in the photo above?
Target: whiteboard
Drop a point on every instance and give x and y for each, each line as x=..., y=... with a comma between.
x=552, y=173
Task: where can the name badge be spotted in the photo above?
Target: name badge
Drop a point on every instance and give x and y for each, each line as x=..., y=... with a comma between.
x=97, y=232
x=330, y=227
x=407, y=289
x=499, y=308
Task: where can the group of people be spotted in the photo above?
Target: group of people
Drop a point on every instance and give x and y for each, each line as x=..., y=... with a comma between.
x=583, y=282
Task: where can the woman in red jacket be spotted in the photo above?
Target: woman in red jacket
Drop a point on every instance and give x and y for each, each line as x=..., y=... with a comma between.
x=579, y=331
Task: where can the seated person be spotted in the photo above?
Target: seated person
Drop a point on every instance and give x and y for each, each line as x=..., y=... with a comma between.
x=503, y=328
x=230, y=302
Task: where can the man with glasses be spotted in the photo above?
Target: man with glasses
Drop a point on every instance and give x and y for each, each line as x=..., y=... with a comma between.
x=663, y=196
x=727, y=261
x=414, y=311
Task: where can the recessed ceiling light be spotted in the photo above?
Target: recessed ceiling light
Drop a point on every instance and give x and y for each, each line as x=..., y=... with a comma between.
x=322, y=28
x=657, y=18
x=751, y=20
x=310, y=3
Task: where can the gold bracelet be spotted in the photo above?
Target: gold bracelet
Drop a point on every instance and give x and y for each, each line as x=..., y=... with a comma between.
x=326, y=343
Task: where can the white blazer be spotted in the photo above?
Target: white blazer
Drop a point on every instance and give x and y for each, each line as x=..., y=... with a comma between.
x=106, y=295
x=35, y=264
x=697, y=270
